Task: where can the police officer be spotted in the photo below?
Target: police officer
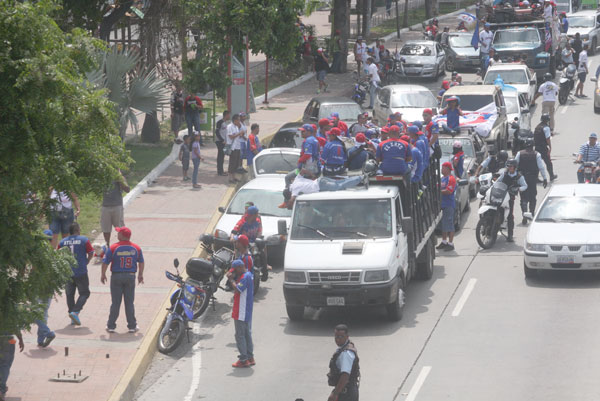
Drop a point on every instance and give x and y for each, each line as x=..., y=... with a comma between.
x=530, y=164
x=543, y=144
x=344, y=371
x=515, y=182
x=334, y=154
x=493, y=163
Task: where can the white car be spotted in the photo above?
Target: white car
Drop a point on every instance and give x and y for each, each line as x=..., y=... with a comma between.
x=587, y=24
x=564, y=233
x=267, y=194
x=410, y=100
x=275, y=162
x=516, y=75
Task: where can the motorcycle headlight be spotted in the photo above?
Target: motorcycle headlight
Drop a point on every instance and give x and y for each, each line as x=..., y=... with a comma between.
x=221, y=234
x=377, y=275
x=295, y=277
x=592, y=248
x=535, y=247
x=189, y=294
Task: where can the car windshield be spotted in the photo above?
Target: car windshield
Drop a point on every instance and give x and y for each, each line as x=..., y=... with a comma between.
x=416, y=50
x=460, y=41
x=509, y=77
x=342, y=219
x=512, y=104
x=422, y=99
x=266, y=201
x=447, y=143
x=347, y=111
x=574, y=209
x=275, y=163
x=581, y=22
x=472, y=102
x=515, y=36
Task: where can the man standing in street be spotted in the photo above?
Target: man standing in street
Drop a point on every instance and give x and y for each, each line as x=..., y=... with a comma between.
x=221, y=139
x=125, y=259
x=360, y=53
x=582, y=71
x=253, y=147
x=336, y=49
x=485, y=42
x=374, y=80
x=112, y=214
x=82, y=251
x=344, y=369
x=176, y=109
x=7, y=356
x=577, y=45
x=321, y=68
x=235, y=136
x=448, y=206
x=243, y=301
x=192, y=107
x=549, y=91
x=543, y=143
x=530, y=164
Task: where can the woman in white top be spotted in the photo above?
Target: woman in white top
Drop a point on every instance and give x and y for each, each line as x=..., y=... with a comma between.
x=62, y=214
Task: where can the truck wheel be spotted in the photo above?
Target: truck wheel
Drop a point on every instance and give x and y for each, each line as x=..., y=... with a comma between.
x=295, y=312
x=396, y=308
x=425, y=262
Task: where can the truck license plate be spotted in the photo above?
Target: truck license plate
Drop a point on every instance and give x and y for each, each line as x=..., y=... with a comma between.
x=565, y=259
x=335, y=301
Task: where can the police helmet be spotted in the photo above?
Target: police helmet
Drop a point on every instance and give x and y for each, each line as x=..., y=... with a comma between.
x=503, y=155
x=370, y=167
x=545, y=118
x=547, y=77
x=528, y=142
x=511, y=163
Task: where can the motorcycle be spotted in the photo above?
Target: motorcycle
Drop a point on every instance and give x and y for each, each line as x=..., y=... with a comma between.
x=493, y=210
x=566, y=83
x=188, y=302
x=361, y=88
x=589, y=172
x=519, y=136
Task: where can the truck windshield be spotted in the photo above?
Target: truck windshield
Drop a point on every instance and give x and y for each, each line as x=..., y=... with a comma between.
x=342, y=219
x=582, y=22
x=447, y=143
x=472, y=102
x=516, y=36
x=421, y=99
x=509, y=77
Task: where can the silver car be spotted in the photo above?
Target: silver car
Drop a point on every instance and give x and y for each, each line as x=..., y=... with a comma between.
x=460, y=53
x=596, y=96
x=421, y=58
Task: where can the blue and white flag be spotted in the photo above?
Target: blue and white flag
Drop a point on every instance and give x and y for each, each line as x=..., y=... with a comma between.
x=475, y=38
x=500, y=82
x=467, y=18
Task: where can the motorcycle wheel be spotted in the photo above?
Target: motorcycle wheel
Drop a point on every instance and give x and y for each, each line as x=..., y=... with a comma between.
x=170, y=337
x=202, y=304
x=485, y=233
x=563, y=95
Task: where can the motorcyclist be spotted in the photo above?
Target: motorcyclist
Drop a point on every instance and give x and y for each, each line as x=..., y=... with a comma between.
x=516, y=183
x=530, y=164
x=249, y=225
x=433, y=28
x=543, y=144
x=588, y=152
x=493, y=163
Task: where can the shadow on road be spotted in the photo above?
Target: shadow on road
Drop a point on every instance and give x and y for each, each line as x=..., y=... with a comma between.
x=565, y=279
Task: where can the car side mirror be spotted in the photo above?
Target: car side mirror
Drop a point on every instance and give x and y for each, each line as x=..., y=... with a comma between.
x=176, y=263
x=407, y=225
x=282, y=227
x=502, y=109
x=528, y=215
x=221, y=209
x=525, y=111
x=463, y=182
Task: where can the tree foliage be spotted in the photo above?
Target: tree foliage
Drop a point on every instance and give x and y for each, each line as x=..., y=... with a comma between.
x=57, y=130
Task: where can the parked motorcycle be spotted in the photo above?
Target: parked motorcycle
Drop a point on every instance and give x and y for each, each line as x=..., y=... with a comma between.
x=188, y=302
x=566, y=83
x=361, y=88
x=493, y=210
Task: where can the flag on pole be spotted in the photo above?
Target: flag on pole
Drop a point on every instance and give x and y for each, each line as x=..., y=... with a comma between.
x=475, y=38
x=467, y=18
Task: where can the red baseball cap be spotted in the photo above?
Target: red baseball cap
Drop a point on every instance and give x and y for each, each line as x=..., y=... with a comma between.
x=405, y=138
x=314, y=126
x=428, y=111
x=385, y=129
x=361, y=138
x=447, y=164
x=322, y=141
x=334, y=131
x=242, y=239
x=124, y=230
x=394, y=128
x=324, y=121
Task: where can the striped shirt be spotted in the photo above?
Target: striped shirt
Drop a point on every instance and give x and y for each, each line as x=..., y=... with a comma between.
x=243, y=298
x=589, y=153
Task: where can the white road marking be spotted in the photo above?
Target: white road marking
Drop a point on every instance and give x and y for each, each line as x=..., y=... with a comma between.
x=196, y=365
x=463, y=297
x=412, y=394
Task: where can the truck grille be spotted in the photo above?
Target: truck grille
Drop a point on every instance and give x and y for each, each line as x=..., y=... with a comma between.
x=334, y=277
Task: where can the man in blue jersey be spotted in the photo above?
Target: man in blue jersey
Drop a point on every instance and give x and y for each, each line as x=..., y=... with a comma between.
x=82, y=250
x=334, y=154
x=125, y=259
x=241, y=313
x=394, y=154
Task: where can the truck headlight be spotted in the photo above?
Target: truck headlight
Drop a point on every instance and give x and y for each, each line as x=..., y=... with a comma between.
x=535, y=247
x=592, y=248
x=295, y=277
x=377, y=275
x=221, y=234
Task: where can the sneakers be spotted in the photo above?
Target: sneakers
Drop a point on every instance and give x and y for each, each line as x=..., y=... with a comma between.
x=251, y=362
x=442, y=245
x=109, y=330
x=48, y=340
x=241, y=364
x=449, y=247
x=75, y=318
x=510, y=239
x=186, y=178
x=134, y=330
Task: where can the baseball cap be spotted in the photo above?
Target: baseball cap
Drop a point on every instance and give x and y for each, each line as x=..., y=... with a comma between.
x=447, y=164
x=394, y=128
x=306, y=127
x=334, y=131
x=242, y=114
x=428, y=111
x=360, y=138
x=385, y=129
x=369, y=133
x=252, y=210
x=457, y=144
x=243, y=239
x=446, y=84
x=452, y=98
x=48, y=233
x=335, y=114
x=487, y=24
x=405, y=138
x=593, y=135
x=237, y=263
x=322, y=141
x=324, y=121
x=125, y=230
x=418, y=124
x=413, y=129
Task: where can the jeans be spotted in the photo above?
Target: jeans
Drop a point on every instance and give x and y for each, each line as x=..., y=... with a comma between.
x=195, y=172
x=122, y=287
x=61, y=225
x=43, y=329
x=82, y=285
x=220, y=156
x=330, y=184
x=7, y=356
x=243, y=339
x=372, y=89
x=336, y=66
x=193, y=122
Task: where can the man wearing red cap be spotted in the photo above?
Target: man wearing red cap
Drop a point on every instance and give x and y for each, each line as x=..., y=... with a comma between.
x=432, y=130
x=334, y=154
x=324, y=126
x=394, y=154
x=448, y=205
x=337, y=123
x=125, y=259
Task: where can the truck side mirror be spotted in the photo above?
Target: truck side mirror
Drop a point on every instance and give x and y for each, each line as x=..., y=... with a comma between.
x=282, y=227
x=407, y=225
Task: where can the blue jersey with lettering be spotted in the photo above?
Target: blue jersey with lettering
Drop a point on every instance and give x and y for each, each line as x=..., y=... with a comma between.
x=80, y=247
x=123, y=257
x=393, y=153
x=334, y=153
x=423, y=146
x=453, y=118
x=417, y=163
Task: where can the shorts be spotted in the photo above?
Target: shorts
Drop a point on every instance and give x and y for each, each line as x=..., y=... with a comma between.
x=582, y=76
x=185, y=163
x=448, y=219
x=111, y=216
x=321, y=75
x=61, y=221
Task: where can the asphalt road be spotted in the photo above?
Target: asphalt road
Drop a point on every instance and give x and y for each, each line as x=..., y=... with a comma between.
x=477, y=331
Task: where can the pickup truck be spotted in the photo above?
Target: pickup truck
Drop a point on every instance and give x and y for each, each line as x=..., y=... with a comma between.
x=361, y=246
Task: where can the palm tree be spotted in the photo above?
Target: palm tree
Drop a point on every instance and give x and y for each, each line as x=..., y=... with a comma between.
x=129, y=86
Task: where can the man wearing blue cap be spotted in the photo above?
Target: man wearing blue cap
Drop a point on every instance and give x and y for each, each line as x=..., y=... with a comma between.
x=243, y=301
x=588, y=152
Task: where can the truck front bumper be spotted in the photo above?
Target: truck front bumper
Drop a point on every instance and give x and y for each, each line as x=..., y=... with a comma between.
x=317, y=295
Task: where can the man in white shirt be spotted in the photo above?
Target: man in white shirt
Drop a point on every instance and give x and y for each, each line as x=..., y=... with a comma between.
x=374, y=79
x=235, y=138
x=548, y=12
x=360, y=52
x=582, y=71
x=548, y=90
x=485, y=41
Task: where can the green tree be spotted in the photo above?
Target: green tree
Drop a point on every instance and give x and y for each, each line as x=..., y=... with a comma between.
x=57, y=130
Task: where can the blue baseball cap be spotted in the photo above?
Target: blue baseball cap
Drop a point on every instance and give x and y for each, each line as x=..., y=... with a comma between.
x=369, y=133
x=487, y=25
x=413, y=129
x=593, y=135
x=237, y=263
x=418, y=124
x=48, y=233
x=335, y=114
x=252, y=210
x=306, y=127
